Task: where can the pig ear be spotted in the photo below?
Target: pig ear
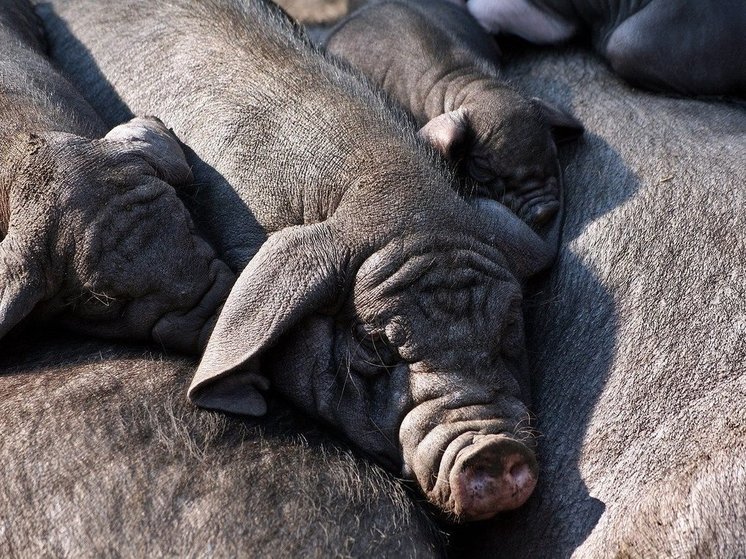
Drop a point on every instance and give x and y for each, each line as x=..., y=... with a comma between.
x=149, y=138
x=527, y=252
x=298, y=271
x=21, y=281
x=565, y=127
x=448, y=133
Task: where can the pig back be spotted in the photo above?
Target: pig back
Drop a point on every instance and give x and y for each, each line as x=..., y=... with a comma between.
x=277, y=132
x=34, y=97
x=113, y=460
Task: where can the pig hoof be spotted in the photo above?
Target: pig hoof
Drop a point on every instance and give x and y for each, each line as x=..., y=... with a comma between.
x=493, y=475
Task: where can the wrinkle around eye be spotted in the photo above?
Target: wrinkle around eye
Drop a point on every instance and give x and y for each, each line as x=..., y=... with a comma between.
x=371, y=353
x=480, y=172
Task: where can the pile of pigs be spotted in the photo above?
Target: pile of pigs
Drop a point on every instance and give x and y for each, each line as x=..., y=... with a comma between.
x=389, y=292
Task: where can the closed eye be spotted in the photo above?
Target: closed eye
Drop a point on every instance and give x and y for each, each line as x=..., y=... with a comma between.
x=373, y=354
x=480, y=173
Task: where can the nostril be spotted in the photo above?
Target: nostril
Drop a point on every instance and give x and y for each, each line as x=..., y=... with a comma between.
x=542, y=213
x=496, y=475
x=521, y=474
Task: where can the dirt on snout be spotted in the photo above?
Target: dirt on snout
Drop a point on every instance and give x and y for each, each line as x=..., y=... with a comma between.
x=317, y=12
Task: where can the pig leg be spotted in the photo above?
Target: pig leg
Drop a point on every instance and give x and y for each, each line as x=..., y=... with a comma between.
x=521, y=18
x=689, y=47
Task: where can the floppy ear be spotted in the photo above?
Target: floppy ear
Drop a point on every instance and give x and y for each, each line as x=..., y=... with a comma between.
x=527, y=252
x=22, y=283
x=151, y=140
x=298, y=271
x=448, y=133
x=565, y=127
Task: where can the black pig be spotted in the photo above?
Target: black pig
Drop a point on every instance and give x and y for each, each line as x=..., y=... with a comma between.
x=434, y=58
x=94, y=234
x=370, y=293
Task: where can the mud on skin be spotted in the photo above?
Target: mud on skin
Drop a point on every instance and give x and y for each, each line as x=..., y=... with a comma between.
x=365, y=279
x=433, y=58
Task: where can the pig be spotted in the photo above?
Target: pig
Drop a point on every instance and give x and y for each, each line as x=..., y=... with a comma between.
x=370, y=294
x=640, y=337
x=102, y=456
x=93, y=232
x=691, y=47
x=432, y=57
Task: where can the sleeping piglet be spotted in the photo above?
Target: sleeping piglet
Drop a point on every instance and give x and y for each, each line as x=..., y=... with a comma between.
x=93, y=232
x=434, y=59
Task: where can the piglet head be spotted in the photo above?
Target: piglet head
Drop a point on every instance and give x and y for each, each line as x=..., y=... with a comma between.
x=433, y=366
x=507, y=144
x=97, y=237
x=412, y=347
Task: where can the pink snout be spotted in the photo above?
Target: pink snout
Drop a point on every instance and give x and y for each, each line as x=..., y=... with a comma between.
x=494, y=474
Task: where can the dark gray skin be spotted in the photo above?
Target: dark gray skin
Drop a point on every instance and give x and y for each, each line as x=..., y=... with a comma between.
x=366, y=281
x=694, y=47
x=104, y=457
x=433, y=58
x=640, y=344
x=93, y=233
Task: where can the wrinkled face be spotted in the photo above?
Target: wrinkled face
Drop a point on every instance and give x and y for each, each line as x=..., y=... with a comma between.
x=513, y=157
x=514, y=160
x=120, y=254
x=425, y=368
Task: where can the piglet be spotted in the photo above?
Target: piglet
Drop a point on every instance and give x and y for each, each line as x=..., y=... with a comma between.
x=93, y=232
x=433, y=58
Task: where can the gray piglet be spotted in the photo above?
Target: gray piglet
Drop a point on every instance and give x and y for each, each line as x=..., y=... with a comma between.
x=434, y=59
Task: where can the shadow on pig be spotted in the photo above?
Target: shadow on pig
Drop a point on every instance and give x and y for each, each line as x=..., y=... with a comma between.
x=243, y=223
x=572, y=290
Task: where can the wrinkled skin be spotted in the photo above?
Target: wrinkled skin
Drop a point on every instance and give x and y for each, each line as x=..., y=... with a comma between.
x=103, y=456
x=391, y=377
x=93, y=232
x=639, y=346
x=348, y=236
x=694, y=47
x=433, y=58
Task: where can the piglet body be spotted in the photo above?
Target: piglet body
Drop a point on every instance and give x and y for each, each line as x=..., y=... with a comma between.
x=435, y=60
x=686, y=46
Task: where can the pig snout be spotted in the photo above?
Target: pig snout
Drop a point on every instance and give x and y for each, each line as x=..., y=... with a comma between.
x=535, y=201
x=495, y=473
x=472, y=461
